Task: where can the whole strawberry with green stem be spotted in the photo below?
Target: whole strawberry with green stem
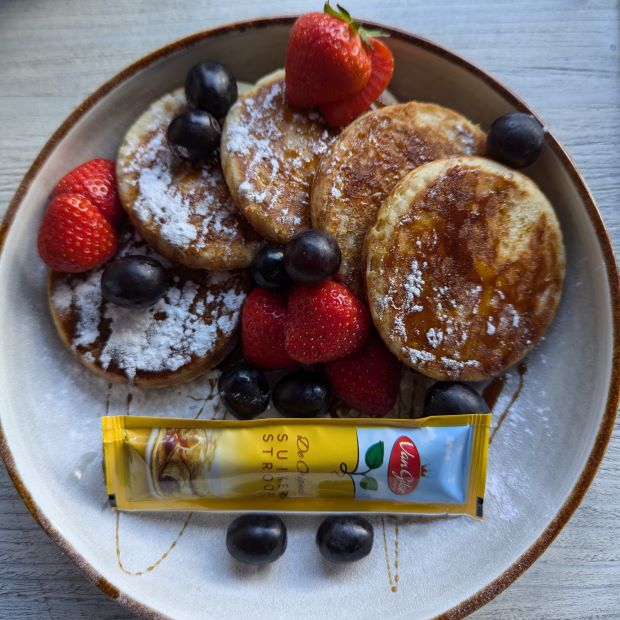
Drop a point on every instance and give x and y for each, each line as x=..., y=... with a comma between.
x=328, y=58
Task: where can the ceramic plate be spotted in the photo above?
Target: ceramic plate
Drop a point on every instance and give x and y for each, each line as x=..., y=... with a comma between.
x=542, y=458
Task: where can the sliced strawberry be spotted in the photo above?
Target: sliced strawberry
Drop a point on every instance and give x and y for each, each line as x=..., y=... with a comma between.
x=343, y=112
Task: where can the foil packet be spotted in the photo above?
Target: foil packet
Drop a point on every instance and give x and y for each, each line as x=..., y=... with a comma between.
x=434, y=465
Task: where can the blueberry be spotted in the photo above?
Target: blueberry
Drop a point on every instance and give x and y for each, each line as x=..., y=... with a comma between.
x=134, y=282
x=451, y=397
x=210, y=86
x=256, y=538
x=345, y=539
x=194, y=135
x=303, y=394
x=244, y=391
x=515, y=139
x=311, y=256
x=268, y=267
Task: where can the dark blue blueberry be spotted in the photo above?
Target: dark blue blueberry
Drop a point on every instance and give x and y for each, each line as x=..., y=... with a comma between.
x=311, y=256
x=256, y=538
x=343, y=539
x=211, y=87
x=515, y=139
x=134, y=282
x=244, y=391
x=303, y=394
x=451, y=397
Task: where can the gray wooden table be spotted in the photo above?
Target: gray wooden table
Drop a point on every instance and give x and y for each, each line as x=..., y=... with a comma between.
x=561, y=56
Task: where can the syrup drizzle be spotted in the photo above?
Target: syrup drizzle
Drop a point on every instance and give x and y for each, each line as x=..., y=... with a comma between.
x=393, y=577
x=491, y=394
x=107, y=400
x=493, y=391
x=163, y=556
x=521, y=369
x=206, y=399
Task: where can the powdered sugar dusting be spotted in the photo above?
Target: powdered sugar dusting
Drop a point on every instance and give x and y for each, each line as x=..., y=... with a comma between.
x=434, y=337
x=277, y=151
x=190, y=206
x=185, y=324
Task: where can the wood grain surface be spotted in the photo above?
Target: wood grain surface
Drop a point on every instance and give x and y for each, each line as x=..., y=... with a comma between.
x=561, y=56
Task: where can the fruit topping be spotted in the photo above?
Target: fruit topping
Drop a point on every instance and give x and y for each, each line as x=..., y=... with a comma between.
x=244, y=391
x=262, y=329
x=311, y=256
x=326, y=59
x=451, y=397
x=256, y=538
x=268, y=267
x=343, y=539
x=211, y=87
x=134, y=282
x=367, y=380
x=324, y=322
x=74, y=236
x=515, y=139
x=340, y=113
x=194, y=135
x=95, y=180
x=303, y=394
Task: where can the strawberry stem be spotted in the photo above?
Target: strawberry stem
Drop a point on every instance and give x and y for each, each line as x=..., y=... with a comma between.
x=365, y=34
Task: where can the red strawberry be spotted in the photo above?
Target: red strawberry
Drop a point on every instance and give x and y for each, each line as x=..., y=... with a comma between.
x=324, y=322
x=262, y=329
x=96, y=180
x=74, y=236
x=342, y=112
x=327, y=59
x=368, y=380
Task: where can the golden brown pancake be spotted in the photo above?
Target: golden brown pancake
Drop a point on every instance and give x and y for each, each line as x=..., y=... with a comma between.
x=368, y=159
x=187, y=332
x=185, y=212
x=464, y=268
x=270, y=153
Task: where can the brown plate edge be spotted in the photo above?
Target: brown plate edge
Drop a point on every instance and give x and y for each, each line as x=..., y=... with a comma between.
x=518, y=567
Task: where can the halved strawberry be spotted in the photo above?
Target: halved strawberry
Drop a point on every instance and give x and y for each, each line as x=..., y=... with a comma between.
x=343, y=112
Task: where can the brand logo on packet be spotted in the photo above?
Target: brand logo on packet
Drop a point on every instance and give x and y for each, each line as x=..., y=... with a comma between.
x=404, y=467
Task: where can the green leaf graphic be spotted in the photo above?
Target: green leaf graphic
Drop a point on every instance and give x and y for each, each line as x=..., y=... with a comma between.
x=369, y=483
x=374, y=455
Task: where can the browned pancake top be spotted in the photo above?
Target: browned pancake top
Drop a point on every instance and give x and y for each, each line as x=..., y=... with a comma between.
x=465, y=269
x=270, y=153
x=369, y=158
x=185, y=333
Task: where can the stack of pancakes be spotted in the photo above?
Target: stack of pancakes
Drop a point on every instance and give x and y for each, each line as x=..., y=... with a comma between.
x=460, y=259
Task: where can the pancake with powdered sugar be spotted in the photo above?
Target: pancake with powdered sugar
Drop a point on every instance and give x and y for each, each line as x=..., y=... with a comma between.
x=366, y=161
x=270, y=153
x=185, y=212
x=464, y=268
x=186, y=333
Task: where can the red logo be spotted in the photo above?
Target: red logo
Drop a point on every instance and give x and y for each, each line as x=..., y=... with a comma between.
x=404, y=467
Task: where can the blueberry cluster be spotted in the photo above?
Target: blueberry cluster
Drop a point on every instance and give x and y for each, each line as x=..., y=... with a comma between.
x=261, y=538
x=210, y=90
x=309, y=257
